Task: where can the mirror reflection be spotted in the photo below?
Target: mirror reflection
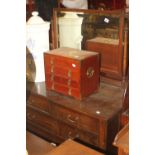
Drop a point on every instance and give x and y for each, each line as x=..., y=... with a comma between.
x=74, y=28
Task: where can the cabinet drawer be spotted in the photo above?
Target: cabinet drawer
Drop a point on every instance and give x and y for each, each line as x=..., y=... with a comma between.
x=42, y=120
x=76, y=119
x=38, y=102
x=89, y=123
x=67, y=131
x=53, y=63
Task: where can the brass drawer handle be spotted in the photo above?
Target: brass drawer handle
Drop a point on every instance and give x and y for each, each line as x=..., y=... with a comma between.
x=71, y=120
x=69, y=73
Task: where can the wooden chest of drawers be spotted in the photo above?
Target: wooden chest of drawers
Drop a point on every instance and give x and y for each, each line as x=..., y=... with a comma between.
x=72, y=72
x=94, y=120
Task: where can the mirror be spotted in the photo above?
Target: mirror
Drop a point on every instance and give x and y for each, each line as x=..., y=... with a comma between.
x=102, y=31
x=72, y=28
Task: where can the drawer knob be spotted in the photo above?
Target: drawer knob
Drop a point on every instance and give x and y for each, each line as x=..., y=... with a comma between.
x=71, y=120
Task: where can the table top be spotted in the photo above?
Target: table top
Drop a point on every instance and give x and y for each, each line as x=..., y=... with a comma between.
x=36, y=145
x=105, y=103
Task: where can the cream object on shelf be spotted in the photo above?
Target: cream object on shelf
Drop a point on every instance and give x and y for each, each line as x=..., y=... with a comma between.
x=37, y=41
x=78, y=4
x=70, y=30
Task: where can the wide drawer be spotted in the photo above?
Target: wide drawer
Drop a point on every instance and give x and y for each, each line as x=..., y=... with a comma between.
x=73, y=118
x=67, y=131
x=42, y=120
x=38, y=102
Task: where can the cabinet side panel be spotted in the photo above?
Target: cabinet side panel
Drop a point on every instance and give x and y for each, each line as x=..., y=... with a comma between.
x=89, y=75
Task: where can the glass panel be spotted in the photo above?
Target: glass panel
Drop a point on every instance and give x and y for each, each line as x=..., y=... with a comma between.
x=73, y=28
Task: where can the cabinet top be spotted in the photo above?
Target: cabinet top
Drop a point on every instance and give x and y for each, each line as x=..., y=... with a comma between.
x=103, y=104
x=72, y=53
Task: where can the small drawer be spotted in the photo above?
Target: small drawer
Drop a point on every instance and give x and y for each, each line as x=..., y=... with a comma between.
x=38, y=102
x=67, y=116
x=66, y=81
x=89, y=123
x=66, y=63
x=67, y=131
x=72, y=118
x=42, y=120
x=88, y=137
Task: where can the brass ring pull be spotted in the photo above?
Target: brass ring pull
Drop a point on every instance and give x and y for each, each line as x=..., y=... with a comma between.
x=90, y=72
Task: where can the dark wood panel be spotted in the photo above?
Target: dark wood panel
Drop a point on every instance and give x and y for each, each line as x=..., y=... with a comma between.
x=76, y=119
x=67, y=131
x=43, y=133
x=38, y=102
x=109, y=57
x=42, y=120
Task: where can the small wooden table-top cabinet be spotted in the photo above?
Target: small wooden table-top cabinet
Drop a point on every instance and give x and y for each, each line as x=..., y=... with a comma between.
x=56, y=117
x=72, y=72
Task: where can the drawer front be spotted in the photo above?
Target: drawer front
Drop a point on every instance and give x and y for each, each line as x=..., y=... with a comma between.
x=88, y=137
x=66, y=81
x=42, y=120
x=66, y=73
x=42, y=132
x=67, y=116
x=67, y=131
x=73, y=118
x=68, y=63
x=52, y=64
x=60, y=88
x=38, y=102
x=70, y=117
x=89, y=123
